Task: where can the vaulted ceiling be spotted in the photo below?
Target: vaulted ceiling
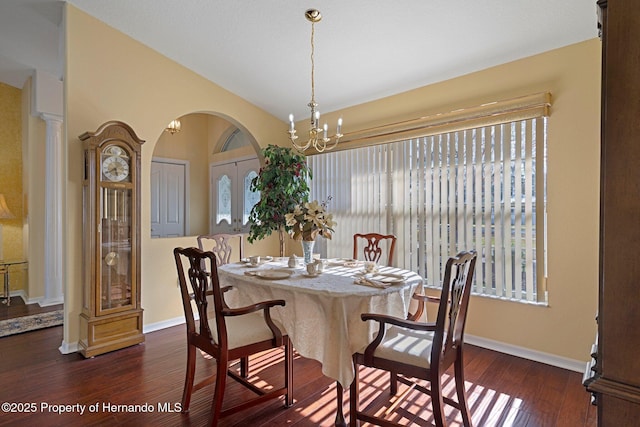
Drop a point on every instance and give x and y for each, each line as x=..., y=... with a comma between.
x=260, y=50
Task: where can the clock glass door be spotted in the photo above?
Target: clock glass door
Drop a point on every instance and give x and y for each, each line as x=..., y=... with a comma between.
x=116, y=261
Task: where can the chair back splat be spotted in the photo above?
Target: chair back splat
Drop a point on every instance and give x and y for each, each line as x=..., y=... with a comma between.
x=232, y=334
x=454, y=302
x=221, y=245
x=372, y=249
x=410, y=349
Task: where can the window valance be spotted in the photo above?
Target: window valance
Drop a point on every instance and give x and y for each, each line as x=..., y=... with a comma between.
x=521, y=108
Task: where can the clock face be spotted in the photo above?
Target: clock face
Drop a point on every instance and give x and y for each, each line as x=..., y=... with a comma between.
x=115, y=168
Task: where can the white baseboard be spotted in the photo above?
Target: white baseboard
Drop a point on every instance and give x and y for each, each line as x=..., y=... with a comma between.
x=163, y=325
x=19, y=293
x=67, y=348
x=54, y=301
x=39, y=300
x=31, y=300
x=526, y=353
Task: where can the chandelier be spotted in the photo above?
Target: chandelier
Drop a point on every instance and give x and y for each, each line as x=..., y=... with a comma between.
x=318, y=138
x=173, y=127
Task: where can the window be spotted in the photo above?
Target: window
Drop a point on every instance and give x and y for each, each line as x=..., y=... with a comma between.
x=482, y=188
x=223, y=212
x=237, y=139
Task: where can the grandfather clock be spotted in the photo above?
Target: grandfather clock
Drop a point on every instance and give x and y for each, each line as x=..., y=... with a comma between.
x=111, y=315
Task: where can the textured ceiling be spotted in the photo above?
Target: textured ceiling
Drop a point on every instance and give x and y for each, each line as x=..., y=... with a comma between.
x=365, y=50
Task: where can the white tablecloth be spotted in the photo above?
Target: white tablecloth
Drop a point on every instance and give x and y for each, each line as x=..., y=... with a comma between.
x=322, y=313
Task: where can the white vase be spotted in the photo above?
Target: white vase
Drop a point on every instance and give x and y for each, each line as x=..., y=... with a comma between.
x=307, y=250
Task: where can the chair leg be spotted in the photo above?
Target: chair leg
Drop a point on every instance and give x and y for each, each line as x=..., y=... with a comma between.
x=244, y=367
x=189, y=377
x=288, y=374
x=461, y=392
x=437, y=401
x=354, y=398
x=393, y=383
x=218, y=394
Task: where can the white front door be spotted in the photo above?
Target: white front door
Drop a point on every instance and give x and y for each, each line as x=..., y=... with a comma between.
x=231, y=198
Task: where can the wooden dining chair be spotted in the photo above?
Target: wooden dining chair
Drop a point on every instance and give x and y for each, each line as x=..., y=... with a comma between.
x=221, y=245
x=372, y=250
x=233, y=333
x=420, y=350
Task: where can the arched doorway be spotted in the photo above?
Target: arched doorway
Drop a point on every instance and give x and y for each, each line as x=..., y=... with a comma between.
x=199, y=176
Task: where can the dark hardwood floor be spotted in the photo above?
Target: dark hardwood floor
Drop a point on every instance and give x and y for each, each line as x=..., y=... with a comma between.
x=37, y=382
x=18, y=308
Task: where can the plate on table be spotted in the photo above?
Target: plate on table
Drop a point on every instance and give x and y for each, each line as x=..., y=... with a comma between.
x=305, y=274
x=273, y=274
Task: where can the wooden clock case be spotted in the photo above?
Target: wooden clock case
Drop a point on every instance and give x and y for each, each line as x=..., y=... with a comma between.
x=111, y=316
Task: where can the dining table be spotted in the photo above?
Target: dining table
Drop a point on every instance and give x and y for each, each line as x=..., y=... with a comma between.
x=322, y=310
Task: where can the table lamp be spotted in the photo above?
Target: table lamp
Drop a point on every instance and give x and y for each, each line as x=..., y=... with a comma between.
x=5, y=213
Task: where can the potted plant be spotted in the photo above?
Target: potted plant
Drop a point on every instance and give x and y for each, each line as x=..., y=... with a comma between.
x=283, y=184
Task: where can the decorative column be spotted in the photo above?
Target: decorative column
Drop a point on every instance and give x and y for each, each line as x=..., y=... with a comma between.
x=54, y=200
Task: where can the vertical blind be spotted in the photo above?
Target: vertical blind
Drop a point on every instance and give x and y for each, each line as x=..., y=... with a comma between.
x=481, y=188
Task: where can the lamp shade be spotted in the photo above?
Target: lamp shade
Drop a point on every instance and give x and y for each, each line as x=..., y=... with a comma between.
x=5, y=213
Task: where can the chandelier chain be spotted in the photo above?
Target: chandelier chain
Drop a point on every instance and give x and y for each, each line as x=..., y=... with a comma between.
x=313, y=66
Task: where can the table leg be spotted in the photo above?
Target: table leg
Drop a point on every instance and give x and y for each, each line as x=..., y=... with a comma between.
x=7, y=296
x=340, y=421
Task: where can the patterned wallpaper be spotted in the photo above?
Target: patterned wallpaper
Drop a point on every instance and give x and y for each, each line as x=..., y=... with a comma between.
x=11, y=172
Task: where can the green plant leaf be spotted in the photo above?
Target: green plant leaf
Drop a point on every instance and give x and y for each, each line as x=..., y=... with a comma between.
x=283, y=184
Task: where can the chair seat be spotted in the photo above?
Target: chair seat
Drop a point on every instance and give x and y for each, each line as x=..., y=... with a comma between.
x=406, y=346
x=244, y=330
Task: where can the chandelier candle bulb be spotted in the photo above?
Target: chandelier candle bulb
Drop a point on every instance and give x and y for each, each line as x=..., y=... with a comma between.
x=291, y=121
x=326, y=128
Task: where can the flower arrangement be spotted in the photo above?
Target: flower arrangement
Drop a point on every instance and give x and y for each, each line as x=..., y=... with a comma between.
x=309, y=220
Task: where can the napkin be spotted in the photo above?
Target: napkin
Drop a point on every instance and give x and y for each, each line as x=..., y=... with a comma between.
x=373, y=283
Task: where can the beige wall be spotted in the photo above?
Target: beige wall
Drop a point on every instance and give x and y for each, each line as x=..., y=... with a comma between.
x=110, y=76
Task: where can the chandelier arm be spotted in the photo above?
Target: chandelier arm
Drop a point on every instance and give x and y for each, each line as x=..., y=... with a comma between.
x=301, y=148
x=335, y=142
